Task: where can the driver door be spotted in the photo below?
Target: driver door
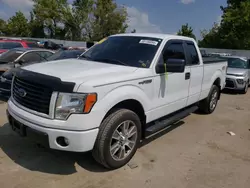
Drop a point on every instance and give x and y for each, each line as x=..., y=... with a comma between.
x=170, y=89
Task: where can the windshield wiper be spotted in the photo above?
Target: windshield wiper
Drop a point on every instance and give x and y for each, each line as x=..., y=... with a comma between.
x=111, y=61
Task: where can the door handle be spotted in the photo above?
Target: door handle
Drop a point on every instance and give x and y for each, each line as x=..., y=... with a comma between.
x=187, y=75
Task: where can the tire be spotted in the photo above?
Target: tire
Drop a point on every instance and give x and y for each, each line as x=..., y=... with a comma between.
x=109, y=135
x=205, y=105
x=244, y=91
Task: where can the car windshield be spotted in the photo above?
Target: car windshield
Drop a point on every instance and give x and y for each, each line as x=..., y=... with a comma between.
x=55, y=56
x=65, y=54
x=132, y=51
x=237, y=63
x=10, y=56
x=32, y=45
x=9, y=45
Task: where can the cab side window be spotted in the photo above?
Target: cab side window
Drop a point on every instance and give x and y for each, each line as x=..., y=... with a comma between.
x=193, y=54
x=174, y=51
x=31, y=57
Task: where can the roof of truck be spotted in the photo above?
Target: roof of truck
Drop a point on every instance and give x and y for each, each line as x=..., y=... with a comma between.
x=155, y=35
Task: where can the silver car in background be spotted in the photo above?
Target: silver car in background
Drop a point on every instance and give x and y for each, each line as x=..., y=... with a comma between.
x=238, y=73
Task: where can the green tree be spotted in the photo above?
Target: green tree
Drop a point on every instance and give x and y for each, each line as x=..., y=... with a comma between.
x=211, y=38
x=2, y=27
x=50, y=13
x=18, y=25
x=76, y=19
x=36, y=28
x=187, y=31
x=108, y=19
x=233, y=32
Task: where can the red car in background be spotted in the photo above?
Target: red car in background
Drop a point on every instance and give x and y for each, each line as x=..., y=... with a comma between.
x=6, y=44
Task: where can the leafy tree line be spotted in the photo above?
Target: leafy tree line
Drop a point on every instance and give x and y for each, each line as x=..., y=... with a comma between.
x=232, y=33
x=89, y=20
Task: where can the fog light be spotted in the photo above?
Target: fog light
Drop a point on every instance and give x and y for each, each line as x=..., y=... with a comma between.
x=62, y=141
x=240, y=81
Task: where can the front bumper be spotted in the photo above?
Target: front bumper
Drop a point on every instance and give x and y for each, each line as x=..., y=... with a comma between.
x=78, y=141
x=233, y=83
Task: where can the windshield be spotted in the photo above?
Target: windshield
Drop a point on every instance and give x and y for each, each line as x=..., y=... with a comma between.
x=55, y=56
x=237, y=63
x=125, y=50
x=32, y=45
x=10, y=56
x=10, y=45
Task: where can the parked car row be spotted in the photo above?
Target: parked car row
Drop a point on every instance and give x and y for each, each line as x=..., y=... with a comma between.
x=6, y=44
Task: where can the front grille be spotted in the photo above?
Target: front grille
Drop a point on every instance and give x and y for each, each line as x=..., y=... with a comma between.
x=229, y=83
x=34, y=96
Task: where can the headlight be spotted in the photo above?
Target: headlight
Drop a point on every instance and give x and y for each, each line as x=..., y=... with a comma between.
x=73, y=103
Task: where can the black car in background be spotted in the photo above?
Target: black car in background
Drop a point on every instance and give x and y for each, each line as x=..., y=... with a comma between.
x=6, y=78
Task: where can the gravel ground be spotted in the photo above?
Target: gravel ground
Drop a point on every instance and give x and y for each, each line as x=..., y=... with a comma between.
x=196, y=153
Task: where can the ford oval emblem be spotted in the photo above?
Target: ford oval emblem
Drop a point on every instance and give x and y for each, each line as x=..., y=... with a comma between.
x=21, y=92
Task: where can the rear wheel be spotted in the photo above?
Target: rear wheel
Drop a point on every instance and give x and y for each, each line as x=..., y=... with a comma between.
x=209, y=104
x=118, y=139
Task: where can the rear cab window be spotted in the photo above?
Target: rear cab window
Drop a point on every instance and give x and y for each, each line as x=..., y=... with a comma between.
x=193, y=57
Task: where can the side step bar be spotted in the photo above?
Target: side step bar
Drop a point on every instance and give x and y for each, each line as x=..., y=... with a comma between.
x=165, y=122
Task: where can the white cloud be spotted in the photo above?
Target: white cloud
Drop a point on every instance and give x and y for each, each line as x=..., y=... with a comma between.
x=18, y=5
x=3, y=15
x=187, y=1
x=140, y=21
x=219, y=18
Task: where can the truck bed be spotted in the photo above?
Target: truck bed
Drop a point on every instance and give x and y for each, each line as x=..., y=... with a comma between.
x=208, y=60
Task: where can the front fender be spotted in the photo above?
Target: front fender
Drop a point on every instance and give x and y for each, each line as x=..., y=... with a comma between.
x=120, y=94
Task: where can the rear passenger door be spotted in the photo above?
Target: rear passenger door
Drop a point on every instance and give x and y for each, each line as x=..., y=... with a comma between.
x=196, y=72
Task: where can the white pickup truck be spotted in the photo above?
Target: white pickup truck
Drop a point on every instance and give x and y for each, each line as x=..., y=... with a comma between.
x=119, y=92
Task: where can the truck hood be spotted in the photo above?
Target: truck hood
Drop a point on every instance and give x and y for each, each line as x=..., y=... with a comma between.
x=80, y=71
x=236, y=71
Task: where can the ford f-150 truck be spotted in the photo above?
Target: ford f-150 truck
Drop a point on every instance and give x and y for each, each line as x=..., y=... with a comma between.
x=122, y=90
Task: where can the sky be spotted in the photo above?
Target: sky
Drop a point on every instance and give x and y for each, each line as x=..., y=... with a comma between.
x=151, y=16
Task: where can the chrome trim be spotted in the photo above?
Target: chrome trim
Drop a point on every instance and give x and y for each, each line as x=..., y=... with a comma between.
x=5, y=90
x=29, y=110
x=53, y=104
x=50, y=116
x=11, y=92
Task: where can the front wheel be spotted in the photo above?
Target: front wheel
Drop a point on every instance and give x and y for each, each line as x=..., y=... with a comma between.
x=118, y=139
x=244, y=91
x=209, y=104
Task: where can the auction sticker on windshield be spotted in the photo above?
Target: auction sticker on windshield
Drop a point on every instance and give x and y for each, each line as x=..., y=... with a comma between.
x=151, y=42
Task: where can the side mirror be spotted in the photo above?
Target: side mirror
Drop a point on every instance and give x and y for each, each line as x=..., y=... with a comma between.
x=175, y=65
x=160, y=68
x=172, y=65
x=20, y=62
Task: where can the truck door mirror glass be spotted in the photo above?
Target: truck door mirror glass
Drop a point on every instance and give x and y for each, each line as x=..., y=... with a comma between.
x=20, y=62
x=175, y=65
x=160, y=68
x=172, y=65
